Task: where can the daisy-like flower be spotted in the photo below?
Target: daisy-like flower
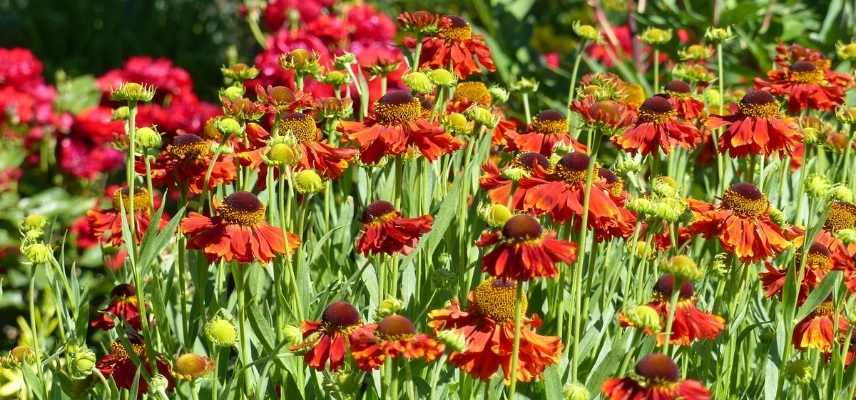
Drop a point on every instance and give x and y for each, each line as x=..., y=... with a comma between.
x=548, y=128
x=456, y=44
x=741, y=222
x=488, y=327
x=392, y=337
x=327, y=341
x=689, y=324
x=238, y=232
x=123, y=305
x=817, y=330
x=107, y=224
x=757, y=127
x=498, y=184
x=818, y=265
x=119, y=366
x=184, y=163
x=386, y=231
x=396, y=124
x=658, y=378
x=523, y=250
x=657, y=128
x=683, y=102
x=807, y=85
x=561, y=194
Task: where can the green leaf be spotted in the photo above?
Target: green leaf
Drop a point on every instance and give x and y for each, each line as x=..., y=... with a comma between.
x=77, y=94
x=553, y=383
x=819, y=294
x=151, y=248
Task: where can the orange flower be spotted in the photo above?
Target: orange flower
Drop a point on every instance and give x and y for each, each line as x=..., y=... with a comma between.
x=683, y=102
x=455, y=44
x=657, y=128
x=123, y=305
x=561, y=194
x=808, y=84
x=394, y=336
x=817, y=330
x=757, y=128
x=659, y=379
x=107, y=224
x=118, y=366
x=184, y=163
x=689, y=324
x=741, y=222
x=238, y=232
x=386, y=231
x=608, y=114
x=499, y=187
x=548, y=129
x=818, y=265
x=396, y=124
x=488, y=327
x=524, y=251
x=327, y=340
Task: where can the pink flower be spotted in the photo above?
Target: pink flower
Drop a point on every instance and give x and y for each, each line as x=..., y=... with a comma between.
x=370, y=25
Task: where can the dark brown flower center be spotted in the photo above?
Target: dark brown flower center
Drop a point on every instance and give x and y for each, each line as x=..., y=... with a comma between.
x=657, y=109
x=123, y=290
x=396, y=326
x=397, y=107
x=658, y=367
x=572, y=167
x=455, y=28
x=745, y=199
x=758, y=104
x=302, y=126
x=607, y=175
x=242, y=208
x=474, y=92
x=666, y=285
x=522, y=227
x=530, y=159
x=340, y=314
x=494, y=298
x=841, y=215
x=819, y=256
x=805, y=72
x=378, y=210
x=189, y=145
x=550, y=122
x=678, y=86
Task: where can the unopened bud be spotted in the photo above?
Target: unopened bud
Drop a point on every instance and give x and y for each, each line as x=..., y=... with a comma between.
x=133, y=92
x=453, y=340
x=148, y=138
x=496, y=215
x=644, y=317
x=229, y=126
x=442, y=77
x=575, y=391
x=38, y=253
x=388, y=307
x=683, y=267
x=418, y=82
x=308, y=181
x=221, y=332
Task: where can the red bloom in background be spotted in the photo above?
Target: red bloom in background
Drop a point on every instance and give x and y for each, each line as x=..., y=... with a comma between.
x=19, y=68
x=659, y=379
x=282, y=42
x=386, y=231
x=183, y=164
x=499, y=187
x=394, y=336
x=107, y=224
x=456, y=44
x=367, y=24
x=167, y=79
x=657, y=128
x=689, y=324
x=524, y=251
x=119, y=366
x=548, y=128
x=238, y=232
x=817, y=330
x=741, y=222
x=394, y=127
x=683, y=102
x=326, y=342
x=818, y=265
x=123, y=305
x=277, y=11
x=488, y=327
x=562, y=195
x=807, y=85
x=88, y=149
x=756, y=128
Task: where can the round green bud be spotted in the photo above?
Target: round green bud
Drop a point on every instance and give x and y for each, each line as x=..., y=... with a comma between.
x=122, y=113
x=221, y=332
x=148, y=138
x=641, y=205
x=82, y=361
x=665, y=186
x=482, y=116
x=336, y=78
x=683, y=267
x=284, y=154
x=158, y=385
x=848, y=236
x=656, y=36
x=308, y=181
x=229, y=126
x=388, y=307
x=35, y=221
x=133, y=92
x=499, y=94
x=496, y=215
x=457, y=124
x=233, y=92
x=292, y=334
x=442, y=77
x=818, y=186
x=586, y=31
x=418, y=82
x=841, y=193
x=514, y=173
x=453, y=340
x=777, y=216
x=575, y=391
x=644, y=317
x=712, y=97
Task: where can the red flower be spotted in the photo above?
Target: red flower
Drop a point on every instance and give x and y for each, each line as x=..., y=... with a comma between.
x=548, y=128
x=807, y=85
x=488, y=327
x=683, y=102
x=561, y=194
x=19, y=68
x=386, y=231
x=238, y=232
x=741, y=222
x=394, y=336
x=818, y=265
x=455, y=44
x=168, y=80
x=499, y=187
x=607, y=114
x=817, y=330
x=327, y=340
x=659, y=379
x=370, y=25
x=657, y=128
x=107, y=224
x=523, y=250
x=396, y=125
x=123, y=305
x=118, y=366
x=756, y=128
x=184, y=164
x=689, y=324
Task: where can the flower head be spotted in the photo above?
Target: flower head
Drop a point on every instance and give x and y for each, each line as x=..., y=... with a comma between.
x=658, y=378
x=326, y=340
x=657, y=128
x=386, y=231
x=523, y=250
x=757, y=128
x=394, y=336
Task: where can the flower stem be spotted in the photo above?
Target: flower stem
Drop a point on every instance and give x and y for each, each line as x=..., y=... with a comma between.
x=656, y=71
x=673, y=303
x=526, y=108
x=573, y=86
x=515, y=350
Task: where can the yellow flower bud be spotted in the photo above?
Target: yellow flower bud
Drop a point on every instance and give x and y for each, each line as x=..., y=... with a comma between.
x=308, y=181
x=221, y=332
x=496, y=215
x=656, y=36
x=191, y=366
x=133, y=92
x=418, y=82
x=442, y=77
x=148, y=138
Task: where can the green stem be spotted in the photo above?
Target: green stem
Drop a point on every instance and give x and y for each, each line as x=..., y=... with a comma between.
x=673, y=303
x=573, y=86
x=515, y=350
x=526, y=108
x=656, y=71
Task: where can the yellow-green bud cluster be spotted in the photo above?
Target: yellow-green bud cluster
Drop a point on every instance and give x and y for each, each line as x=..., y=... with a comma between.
x=452, y=339
x=308, y=181
x=818, y=186
x=586, y=31
x=683, y=267
x=482, y=116
x=133, y=92
x=495, y=215
x=656, y=36
x=575, y=391
x=148, y=138
x=715, y=34
x=644, y=317
x=221, y=332
x=800, y=372
x=457, y=124
x=442, y=77
x=418, y=82
x=389, y=306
